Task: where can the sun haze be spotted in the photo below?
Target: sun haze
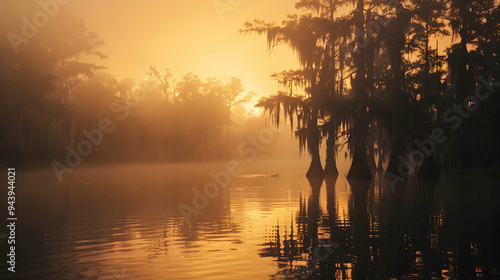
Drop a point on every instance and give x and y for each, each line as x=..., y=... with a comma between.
x=187, y=36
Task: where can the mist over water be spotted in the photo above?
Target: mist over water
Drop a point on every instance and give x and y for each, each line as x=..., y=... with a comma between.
x=105, y=221
x=222, y=139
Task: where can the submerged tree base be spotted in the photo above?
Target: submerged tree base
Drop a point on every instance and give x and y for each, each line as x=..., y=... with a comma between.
x=331, y=167
x=315, y=169
x=359, y=167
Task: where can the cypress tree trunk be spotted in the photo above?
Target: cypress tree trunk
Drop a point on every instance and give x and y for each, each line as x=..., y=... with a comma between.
x=359, y=167
x=315, y=168
x=331, y=165
x=395, y=44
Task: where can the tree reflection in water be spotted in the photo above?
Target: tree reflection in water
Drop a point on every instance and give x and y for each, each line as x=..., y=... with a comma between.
x=427, y=229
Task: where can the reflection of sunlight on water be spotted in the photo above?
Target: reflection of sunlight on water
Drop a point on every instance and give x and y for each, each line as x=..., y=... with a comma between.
x=343, y=192
x=251, y=176
x=131, y=220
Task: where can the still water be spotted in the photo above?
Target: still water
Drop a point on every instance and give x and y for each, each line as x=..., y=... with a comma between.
x=123, y=222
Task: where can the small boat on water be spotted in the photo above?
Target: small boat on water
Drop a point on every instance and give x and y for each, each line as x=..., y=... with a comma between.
x=269, y=175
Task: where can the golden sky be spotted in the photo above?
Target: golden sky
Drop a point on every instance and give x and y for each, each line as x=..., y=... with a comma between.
x=187, y=36
x=183, y=35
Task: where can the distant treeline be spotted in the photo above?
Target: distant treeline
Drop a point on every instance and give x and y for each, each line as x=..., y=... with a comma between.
x=371, y=71
x=54, y=93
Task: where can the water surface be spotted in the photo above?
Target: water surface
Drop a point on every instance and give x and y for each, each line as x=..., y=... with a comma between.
x=124, y=222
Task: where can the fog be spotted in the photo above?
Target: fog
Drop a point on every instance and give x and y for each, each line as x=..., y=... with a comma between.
x=244, y=139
